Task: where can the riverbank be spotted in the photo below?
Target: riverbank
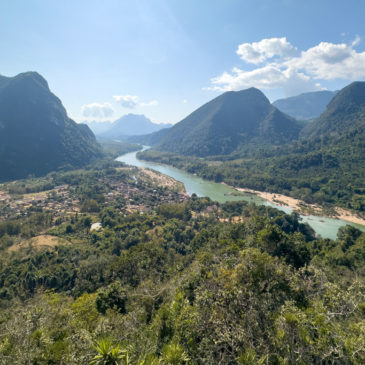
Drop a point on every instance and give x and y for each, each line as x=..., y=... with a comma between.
x=164, y=180
x=323, y=226
x=304, y=208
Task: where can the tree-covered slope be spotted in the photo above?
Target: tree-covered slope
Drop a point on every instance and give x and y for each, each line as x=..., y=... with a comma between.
x=305, y=106
x=344, y=114
x=36, y=135
x=229, y=122
x=183, y=283
x=325, y=166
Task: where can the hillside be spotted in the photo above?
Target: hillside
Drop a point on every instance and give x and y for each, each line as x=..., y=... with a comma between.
x=325, y=166
x=229, y=122
x=131, y=125
x=195, y=282
x=36, y=134
x=305, y=106
x=343, y=118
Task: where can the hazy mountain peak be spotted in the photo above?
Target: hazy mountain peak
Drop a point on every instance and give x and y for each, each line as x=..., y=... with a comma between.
x=305, y=106
x=132, y=125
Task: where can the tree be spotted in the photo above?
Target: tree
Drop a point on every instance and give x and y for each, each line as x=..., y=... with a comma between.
x=112, y=297
x=109, y=354
x=174, y=354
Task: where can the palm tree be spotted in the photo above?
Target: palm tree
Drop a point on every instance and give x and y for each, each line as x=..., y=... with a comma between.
x=109, y=354
x=174, y=354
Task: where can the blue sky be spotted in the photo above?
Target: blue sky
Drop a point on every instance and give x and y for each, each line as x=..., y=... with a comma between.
x=165, y=58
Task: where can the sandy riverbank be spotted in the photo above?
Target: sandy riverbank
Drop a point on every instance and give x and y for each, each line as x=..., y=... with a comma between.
x=346, y=215
x=164, y=180
x=304, y=208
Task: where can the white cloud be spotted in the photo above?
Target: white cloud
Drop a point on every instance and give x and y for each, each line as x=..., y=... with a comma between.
x=184, y=101
x=132, y=101
x=97, y=110
x=267, y=77
x=283, y=67
x=328, y=61
x=127, y=101
x=150, y=103
x=258, y=52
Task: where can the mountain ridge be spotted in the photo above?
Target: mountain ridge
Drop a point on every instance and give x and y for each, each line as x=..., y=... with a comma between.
x=345, y=113
x=131, y=125
x=36, y=135
x=228, y=122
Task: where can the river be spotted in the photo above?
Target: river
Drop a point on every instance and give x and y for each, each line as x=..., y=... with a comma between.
x=326, y=227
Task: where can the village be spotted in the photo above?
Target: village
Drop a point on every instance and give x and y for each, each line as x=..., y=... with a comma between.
x=58, y=201
x=139, y=191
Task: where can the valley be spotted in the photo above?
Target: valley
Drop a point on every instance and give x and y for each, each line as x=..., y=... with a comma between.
x=221, y=243
x=182, y=182
x=325, y=221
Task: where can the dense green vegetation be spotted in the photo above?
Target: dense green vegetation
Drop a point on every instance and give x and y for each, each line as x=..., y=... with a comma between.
x=36, y=134
x=315, y=173
x=343, y=115
x=228, y=123
x=325, y=166
x=184, y=283
x=167, y=279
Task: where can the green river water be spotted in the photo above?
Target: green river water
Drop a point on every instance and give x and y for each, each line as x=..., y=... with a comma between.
x=326, y=227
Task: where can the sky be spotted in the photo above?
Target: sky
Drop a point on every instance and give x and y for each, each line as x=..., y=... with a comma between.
x=165, y=58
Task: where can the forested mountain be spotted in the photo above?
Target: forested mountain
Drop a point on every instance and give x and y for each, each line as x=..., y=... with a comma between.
x=36, y=135
x=344, y=116
x=229, y=122
x=325, y=166
x=130, y=125
x=305, y=106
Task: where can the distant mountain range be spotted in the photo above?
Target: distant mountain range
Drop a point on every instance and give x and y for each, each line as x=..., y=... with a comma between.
x=36, y=135
x=127, y=125
x=98, y=127
x=306, y=106
x=150, y=139
x=229, y=122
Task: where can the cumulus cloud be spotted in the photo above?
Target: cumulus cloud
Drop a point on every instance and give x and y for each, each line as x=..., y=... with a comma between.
x=328, y=61
x=132, y=101
x=258, y=52
x=97, y=110
x=267, y=77
x=280, y=65
x=127, y=101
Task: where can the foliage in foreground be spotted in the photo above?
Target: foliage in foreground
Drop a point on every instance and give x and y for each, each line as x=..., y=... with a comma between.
x=180, y=286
